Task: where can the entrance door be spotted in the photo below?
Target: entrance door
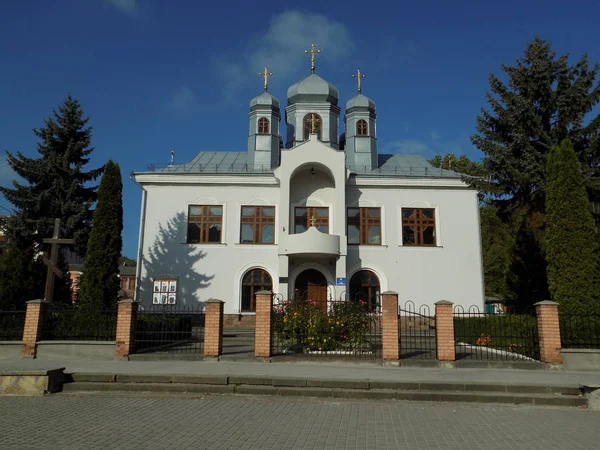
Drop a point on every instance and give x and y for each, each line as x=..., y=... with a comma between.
x=311, y=285
x=317, y=292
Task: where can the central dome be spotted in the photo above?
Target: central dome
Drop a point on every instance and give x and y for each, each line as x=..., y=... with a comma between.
x=311, y=89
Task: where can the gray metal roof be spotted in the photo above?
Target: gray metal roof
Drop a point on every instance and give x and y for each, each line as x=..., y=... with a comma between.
x=236, y=162
x=312, y=88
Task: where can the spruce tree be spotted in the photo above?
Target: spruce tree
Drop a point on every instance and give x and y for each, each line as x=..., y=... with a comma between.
x=544, y=101
x=100, y=279
x=56, y=185
x=571, y=242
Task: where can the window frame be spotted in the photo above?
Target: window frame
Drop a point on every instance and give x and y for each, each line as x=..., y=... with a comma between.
x=306, y=127
x=364, y=222
x=261, y=127
x=420, y=224
x=265, y=276
x=204, y=221
x=319, y=221
x=258, y=220
x=373, y=290
x=362, y=128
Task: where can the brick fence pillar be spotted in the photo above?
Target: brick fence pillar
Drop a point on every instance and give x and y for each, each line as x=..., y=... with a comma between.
x=444, y=331
x=126, y=322
x=262, y=331
x=548, y=331
x=35, y=318
x=389, y=324
x=213, y=328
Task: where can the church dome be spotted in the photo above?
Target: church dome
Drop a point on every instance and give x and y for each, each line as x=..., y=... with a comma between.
x=264, y=99
x=360, y=101
x=313, y=88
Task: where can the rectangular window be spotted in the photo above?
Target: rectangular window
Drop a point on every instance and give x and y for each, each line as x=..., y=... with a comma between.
x=204, y=224
x=306, y=217
x=164, y=291
x=364, y=226
x=418, y=226
x=257, y=225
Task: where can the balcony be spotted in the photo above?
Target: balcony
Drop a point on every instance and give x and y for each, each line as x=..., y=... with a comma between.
x=310, y=243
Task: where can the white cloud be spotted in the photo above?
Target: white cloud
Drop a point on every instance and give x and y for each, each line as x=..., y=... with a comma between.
x=409, y=147
x=128, y=7
x=184, y=99
x=281, y=48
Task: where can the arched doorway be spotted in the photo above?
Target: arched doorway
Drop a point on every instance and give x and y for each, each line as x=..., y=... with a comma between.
x=254, y=280
x=364, y=286
x=311, y=284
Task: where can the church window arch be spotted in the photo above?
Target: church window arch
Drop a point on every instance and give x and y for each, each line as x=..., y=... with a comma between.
x=362, y=128
x=263, y=125
x=365, y=287
x=255, y=280
x=312, y=124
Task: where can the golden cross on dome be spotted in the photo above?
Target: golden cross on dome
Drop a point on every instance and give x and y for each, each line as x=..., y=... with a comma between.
x=266, y=74
x=314, y=121
x=313, y=220
x=358, y=75
x=313, y=51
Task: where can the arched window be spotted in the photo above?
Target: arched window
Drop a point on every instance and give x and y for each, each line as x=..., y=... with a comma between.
x=312, y=122
x=254, y=281
x=364, y=286
x=362, y=129
x=263, y=125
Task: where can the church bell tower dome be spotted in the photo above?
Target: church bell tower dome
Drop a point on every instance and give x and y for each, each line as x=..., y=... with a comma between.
x=313, y=89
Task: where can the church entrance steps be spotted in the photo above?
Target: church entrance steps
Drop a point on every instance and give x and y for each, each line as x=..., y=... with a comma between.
x=197, y=385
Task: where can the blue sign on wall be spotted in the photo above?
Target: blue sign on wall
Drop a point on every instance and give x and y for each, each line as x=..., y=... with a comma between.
x=340, y=281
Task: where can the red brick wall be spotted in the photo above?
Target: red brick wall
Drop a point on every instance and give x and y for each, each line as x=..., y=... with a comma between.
x=262, y=331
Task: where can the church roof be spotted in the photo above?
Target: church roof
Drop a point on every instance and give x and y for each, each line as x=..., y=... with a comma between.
x=313, y=88
x=236, y=163
x=360, y=101
x=264, y=99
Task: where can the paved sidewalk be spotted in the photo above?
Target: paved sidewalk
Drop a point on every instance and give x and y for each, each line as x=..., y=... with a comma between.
x=311, y=371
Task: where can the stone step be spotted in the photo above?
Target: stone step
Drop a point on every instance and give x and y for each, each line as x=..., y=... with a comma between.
x=537, y=399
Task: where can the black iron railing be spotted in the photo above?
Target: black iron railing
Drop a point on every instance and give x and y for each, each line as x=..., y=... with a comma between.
x=416, y=329
x=69, y=322
x=501, y=337
x=579, y=330
x=170, y=329
x=12, y=322
x=330, y=328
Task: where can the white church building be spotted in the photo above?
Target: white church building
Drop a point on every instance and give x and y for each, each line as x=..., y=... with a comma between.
x=323, y=215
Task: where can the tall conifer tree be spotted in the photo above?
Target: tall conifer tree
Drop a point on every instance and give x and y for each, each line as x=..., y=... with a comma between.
x=100, y=279
x=571, y=244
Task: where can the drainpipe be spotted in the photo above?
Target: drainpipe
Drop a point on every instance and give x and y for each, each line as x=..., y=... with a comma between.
x=138, y=269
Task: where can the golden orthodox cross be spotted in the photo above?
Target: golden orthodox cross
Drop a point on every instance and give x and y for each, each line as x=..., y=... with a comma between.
x=313, y=51
x=358, y=77
x=266, y=74
x=313, y=123
x=51, y=263
x=313, y=221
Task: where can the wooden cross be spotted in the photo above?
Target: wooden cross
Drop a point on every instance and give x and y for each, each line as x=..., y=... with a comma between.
x=313, y=123
x=266, y=74
x=313, y=220
x=51, y=263
x=313, y=51
x=358, y=76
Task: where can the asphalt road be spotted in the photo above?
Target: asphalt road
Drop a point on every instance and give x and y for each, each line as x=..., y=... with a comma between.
x=97, y=422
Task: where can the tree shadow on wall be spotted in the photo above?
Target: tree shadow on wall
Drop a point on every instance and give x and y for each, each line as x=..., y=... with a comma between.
x=170, y=257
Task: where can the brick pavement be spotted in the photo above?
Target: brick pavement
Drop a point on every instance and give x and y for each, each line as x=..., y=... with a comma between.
x=69, y=422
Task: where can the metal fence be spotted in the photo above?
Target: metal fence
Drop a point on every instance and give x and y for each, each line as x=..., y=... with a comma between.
x=416, y=330
x=579, y=330
x=330, y=328
x=170, y=329
x=70, y=323
x=500, y=337
x=12, y=322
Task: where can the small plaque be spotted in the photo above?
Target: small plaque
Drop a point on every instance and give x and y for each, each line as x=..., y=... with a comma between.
x=340, y=281
x=283, y=279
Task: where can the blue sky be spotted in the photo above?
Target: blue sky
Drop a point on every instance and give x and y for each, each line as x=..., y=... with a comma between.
x=154, y=74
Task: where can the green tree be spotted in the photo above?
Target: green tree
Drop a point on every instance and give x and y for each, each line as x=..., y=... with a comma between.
x=496, y=242
x=21, y=277
x=544, y=101
x=571, y=241
x=56, y=186
x=100, y=279
x=461, y=164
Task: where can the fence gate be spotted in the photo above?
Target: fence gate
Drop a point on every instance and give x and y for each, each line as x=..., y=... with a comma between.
x=325, y=328
x=171, y=329
x=416, y=332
